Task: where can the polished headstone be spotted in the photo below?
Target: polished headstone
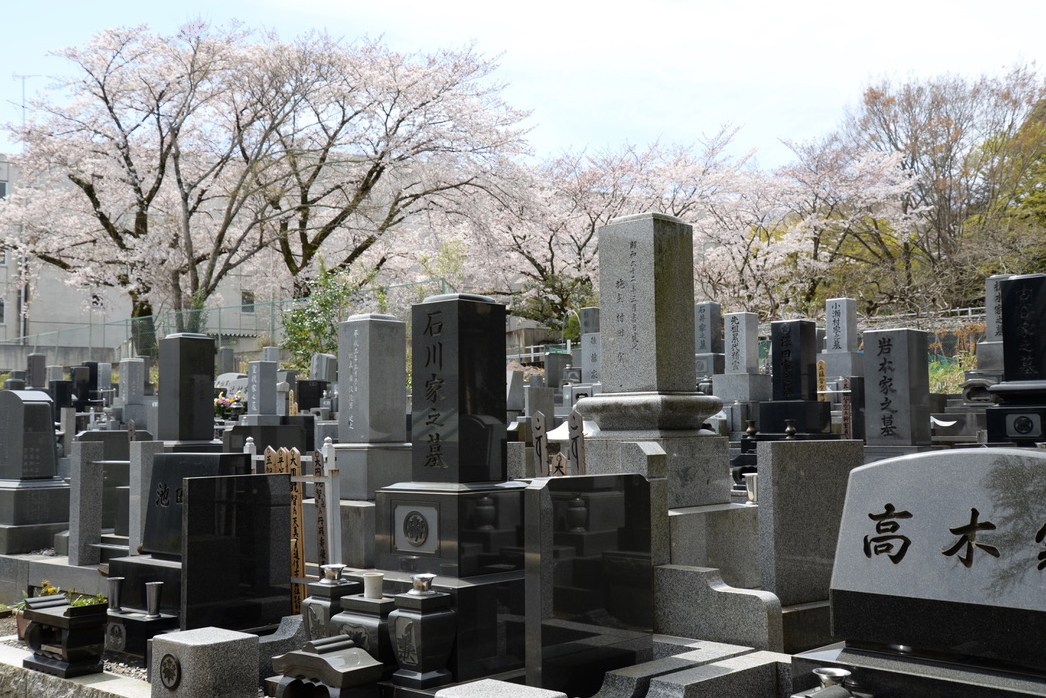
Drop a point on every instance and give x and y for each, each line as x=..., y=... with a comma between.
x=588, y=320
x=1024, y=327
x=646, y=330
x=261, y=388
x=741, y=338
x=372, y=379
x=555, y=365
x=590, y=362
x=897, y=387
x=235, y=553
x=589, y=579
x=943, y=552
x=226, y=362
x=36, y=373
x=841, y=325
x=323, y=367
x=132, y=381
x=270, y=354
x=794, y=348
x=27, y=436
x=186, y=407
x=163, y=518
x=708, y=328
x=458, y=422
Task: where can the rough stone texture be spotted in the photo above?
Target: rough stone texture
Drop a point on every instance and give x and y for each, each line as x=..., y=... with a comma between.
x=694, y=602
x=696, y=463
x=802, y=487
x=214, y=662
x=85, y=503
x=758, y=674
x=649, y=410
x=743, y=387
x=634, y=681
x=722, y=536
x=949, y=564
x=363, y=469
x=490, y=688
x=372, y=379
x=741, y=342
x=357, y=532
x=520, y=459
x=14, y=579
x=590, y=358
x=288, y=637
x=646, y=328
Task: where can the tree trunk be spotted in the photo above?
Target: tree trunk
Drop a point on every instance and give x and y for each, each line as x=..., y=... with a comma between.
x=143, y=327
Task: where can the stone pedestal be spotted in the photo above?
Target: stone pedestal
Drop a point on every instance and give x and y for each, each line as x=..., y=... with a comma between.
x=205, y=662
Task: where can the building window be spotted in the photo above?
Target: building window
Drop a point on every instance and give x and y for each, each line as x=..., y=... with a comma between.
x=247, y=301
x=3, y=315
x=3, y=189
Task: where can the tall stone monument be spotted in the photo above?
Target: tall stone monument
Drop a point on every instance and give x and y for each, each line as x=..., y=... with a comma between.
x=708, y=339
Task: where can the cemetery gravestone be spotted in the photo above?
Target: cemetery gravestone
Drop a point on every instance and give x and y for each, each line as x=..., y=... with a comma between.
x=741, y=381
x=897, y=393
x=937, y=587
x=708, y=339
x=186, y=388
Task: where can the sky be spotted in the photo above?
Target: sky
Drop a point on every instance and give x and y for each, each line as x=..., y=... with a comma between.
x=597, y=75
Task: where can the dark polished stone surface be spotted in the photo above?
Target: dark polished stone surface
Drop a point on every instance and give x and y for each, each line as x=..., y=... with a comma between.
x=275, y=435
x=186, y=388
x=236, y=553
x=888, y=674
x=459, y=401
x=589, y=579
x=811, y=416
x=794, y=355
x=27, y=436
x=1024, y=327
x=449, y=529
x=944, y=552
x=163, y=517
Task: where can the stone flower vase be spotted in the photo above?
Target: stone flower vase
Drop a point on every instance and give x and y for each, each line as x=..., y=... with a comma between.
x=422, y=630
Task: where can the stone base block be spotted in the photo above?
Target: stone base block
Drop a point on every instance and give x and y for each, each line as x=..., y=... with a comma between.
x=24, y=502
x=874, y=453
x=697, y=465
x=25, y=539
x=753, y=674
x=722, y=536
x=811, y=416
x=694, y=602
x=204, y=662
x=709, y=364
x=366, y=468
x=490, y=688
x=989, y=356
x=635, y=680
x=357, y=532
x=806, y=626
x=746, y=387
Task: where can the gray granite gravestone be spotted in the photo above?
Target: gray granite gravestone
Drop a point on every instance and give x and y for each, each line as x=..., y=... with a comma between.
x=270, y=354
x=186, y=406
x=708, y=339
x=34, y=502
x=937, y=585
x=323, y=367
x=590, y=358
x=588, y=319
x=372, y=427
x=261, y=394
x=897, y=389
x=226, y=361
x=989, y=351
x=840, y=353
x=741, y=380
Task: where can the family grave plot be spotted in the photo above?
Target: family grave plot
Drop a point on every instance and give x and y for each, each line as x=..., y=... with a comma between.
x=897, y=392
x=709, y=356
x=1021, y=417
x=34, y=501
x=937, y=583
x=794, y=381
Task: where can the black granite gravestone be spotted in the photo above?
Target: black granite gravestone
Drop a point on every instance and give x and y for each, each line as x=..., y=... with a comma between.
x=166, y=496
x=459, y=401
x=1021, y=418
x=794, y=354
x=186, y=407
x=235, y=553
